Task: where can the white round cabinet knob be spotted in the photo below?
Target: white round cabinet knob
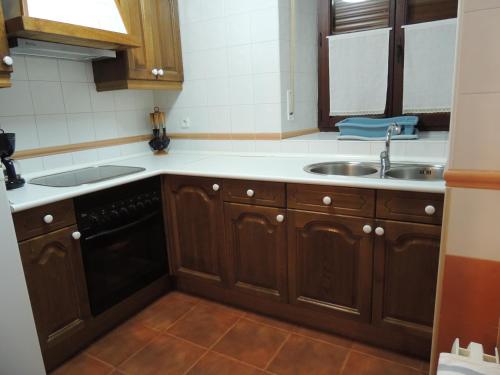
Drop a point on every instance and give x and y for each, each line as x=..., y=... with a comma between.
x=250, y=193
x=367, y=229
x=161, y=72
x=215, y=187
x=155, y=72
x=280, y=218
x=379, y=231
x=48, y=219
x=7, y=60
x=430, y=210
x=76, y=235
x=327, y=201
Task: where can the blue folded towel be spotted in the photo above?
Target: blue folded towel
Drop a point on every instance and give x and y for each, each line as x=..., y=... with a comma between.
x=376, y=127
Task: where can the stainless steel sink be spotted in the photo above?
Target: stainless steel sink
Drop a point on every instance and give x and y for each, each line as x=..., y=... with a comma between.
x=341, y=168
x=417, y=172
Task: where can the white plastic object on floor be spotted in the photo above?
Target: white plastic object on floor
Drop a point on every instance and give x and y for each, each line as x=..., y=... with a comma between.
x=468, y=361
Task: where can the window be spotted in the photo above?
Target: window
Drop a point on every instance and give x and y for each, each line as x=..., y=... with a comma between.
x=341, y=16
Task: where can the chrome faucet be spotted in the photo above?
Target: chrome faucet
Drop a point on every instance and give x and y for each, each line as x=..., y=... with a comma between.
x=385, y=156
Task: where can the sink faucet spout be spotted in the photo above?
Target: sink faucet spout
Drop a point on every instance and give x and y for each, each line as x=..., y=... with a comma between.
x=385, y=156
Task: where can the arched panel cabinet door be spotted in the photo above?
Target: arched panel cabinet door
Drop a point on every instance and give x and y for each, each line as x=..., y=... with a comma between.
x=405, y=276
x=330, y=263
x=55, y=278
x=196, y=228
x=256, y=246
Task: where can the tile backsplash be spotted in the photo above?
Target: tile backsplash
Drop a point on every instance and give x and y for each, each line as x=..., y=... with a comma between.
x=54, y=102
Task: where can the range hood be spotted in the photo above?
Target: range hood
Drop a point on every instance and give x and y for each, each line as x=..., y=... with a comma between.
x=20, y=46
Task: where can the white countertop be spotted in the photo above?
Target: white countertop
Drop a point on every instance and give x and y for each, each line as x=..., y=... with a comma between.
x=251, y=167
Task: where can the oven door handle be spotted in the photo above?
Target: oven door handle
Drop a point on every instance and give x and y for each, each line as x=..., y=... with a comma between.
x=122, y=228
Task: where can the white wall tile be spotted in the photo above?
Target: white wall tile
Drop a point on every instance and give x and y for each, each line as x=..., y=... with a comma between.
x=85, y=157
x=219, y=119
x=242, y=119
x=20, y=73
x=105, y=125
x=354, y=148
x=131, y=123
x=212, y=9
x=240, y=60
x=292, y=146
x=52, y=130
x=268, y=118
x=323, y=147
x=16, y=100
x=47, y=97
x=42, y=69
x=32, y=165
x=72, y=71
x=57, y=161
x=218, y=89
x=238, y=29
x=264, y=25
x=80, y=127
x=243, y=146
x=241, y=90
x=76, y=97
x=101, y=101
x=267, y=146
x=266, y=57
x=267, y=88
x=25, y=129
x=109, y=152
x=215, y=63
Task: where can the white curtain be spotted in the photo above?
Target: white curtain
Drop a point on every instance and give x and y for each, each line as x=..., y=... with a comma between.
x=429, y=66
x=359, y=66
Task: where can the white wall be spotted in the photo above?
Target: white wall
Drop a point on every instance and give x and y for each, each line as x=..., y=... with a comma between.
x=236, y=67
x=54, y=102
x=19, y=347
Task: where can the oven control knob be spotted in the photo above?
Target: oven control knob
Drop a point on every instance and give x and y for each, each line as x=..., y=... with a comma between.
x=140, y=206
x=155, y=200
x=148, y=203
x=114, y=214
x=123, y=212
x=93, y=220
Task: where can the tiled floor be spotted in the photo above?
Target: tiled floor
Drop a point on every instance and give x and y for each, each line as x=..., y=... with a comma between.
x=181, y=334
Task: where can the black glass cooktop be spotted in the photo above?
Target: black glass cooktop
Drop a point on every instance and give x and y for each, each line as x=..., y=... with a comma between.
x=85, y=176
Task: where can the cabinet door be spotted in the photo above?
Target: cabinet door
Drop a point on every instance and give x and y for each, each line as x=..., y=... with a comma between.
x=141, y=60
x=330, y=263
x=196, y=227
x=5, y=70
x=406, y=264
x=256, y=245
x=56, y=284
x=167, y=41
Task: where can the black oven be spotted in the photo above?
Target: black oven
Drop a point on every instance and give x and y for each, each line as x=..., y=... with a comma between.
x=123, y=241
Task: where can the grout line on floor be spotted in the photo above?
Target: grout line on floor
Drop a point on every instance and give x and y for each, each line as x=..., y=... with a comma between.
x=273, y=357
x=265, y=324
x=390, y=360
x=213, y=345
x=344, y=364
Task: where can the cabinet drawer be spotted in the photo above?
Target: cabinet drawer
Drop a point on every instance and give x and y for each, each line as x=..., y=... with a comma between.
x=332, y=199
x=410, y=206
x=260, y=193
x=31, y=223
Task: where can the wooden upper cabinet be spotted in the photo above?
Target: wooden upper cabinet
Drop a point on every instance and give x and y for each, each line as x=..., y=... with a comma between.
x=5, y=69
x=196, y=227
x=55, y=278
x=156, y=24
x=405, y=276
x=359, y=16
x=22, y=21
x=256, y=248
x=330, y=263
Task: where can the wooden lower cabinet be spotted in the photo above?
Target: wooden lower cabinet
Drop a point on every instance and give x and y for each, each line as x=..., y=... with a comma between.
x=405, y=276
x=330, y=263
x=257, y=250
x=55, y=278
x=196, y=227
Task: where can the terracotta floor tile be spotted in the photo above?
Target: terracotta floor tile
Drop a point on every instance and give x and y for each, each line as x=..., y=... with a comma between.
x=216, y=364
x=251, y=342
x=166, y=310
x=226, y=308
x=391, y=356
x=301, y=355
x=323, y=336
x=270, y=321
x=121, y=343
x=362, y=364
x=164, y=355
x=204, y=325
x=83, y=365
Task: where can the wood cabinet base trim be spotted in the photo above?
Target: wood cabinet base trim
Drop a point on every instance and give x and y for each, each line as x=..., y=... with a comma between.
x=473, y=179
x=138, y=84
x=5, y=81
x=59, y=32
x=45, y=151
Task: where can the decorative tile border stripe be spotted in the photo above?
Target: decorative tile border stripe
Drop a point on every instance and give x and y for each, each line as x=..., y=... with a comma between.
x=473, y=179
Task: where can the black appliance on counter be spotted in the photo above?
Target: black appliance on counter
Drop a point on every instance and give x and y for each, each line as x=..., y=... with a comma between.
x=7, y=148
x=123, y=241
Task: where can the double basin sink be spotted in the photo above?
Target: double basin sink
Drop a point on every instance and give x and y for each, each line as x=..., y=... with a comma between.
x=397, y=171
